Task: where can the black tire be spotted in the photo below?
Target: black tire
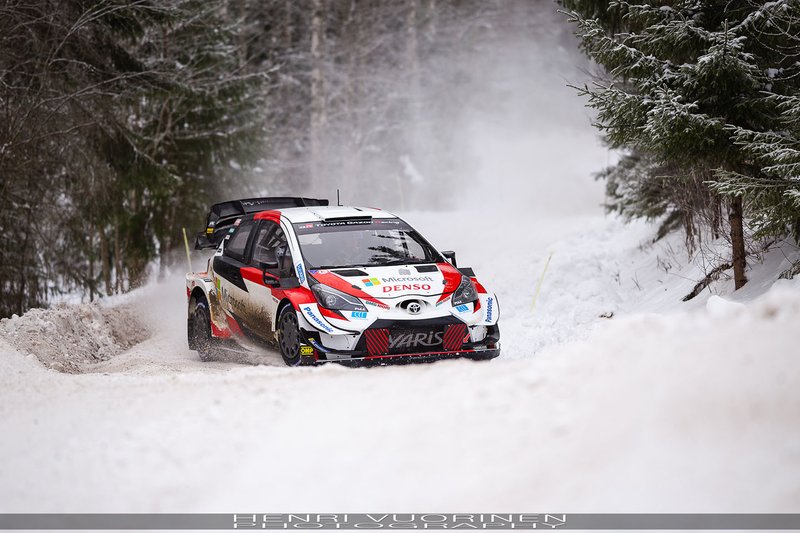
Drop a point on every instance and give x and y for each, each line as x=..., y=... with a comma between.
x=486, y=355
x=289, y=339
x=200, y=338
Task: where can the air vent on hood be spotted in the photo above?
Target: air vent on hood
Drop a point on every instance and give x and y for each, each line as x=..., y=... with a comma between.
x=427, y=268
x=351, y=273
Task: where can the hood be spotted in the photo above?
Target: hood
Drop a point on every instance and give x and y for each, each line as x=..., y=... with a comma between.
x=390, y=282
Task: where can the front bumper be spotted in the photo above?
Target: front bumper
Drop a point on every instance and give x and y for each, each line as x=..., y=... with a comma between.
x=452, y=333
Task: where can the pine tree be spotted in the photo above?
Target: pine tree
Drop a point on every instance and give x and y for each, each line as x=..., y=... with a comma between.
x=701, y=95
x=117, y=118
x=195, y=126
x=771, y=180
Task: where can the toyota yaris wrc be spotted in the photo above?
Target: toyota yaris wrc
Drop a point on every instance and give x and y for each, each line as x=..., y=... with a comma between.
x=331, y=283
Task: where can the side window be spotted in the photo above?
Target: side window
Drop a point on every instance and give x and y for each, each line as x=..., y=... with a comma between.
x=270, y=247
x=237, y=243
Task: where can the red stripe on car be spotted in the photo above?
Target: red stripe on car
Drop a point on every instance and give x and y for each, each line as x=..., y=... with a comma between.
x=478, y=286
x=328, y=313
x=219, y=332
x=298, y=296
x=253, y=274
x=452, y=279
x=274, y=216
x=233, y=325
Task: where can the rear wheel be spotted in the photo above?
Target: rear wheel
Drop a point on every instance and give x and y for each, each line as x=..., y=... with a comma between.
x=200, y=338
x=289, y=336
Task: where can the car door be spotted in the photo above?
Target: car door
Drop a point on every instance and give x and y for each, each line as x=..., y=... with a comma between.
x=273, y=260
x=231, y=286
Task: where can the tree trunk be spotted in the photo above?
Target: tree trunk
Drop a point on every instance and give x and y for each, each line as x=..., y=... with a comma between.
x=431, y=20
x=22, y=287
x=716, y=216
x=105, y=262
x=91, y=263
x=318, y=110
x=287, y=25
x=117, y=260
x=412, y=54
x=735, y=217
x=351, y=162
x=242, y=33
x=414, y=148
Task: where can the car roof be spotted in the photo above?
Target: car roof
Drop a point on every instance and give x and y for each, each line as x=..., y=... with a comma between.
x=320, y=213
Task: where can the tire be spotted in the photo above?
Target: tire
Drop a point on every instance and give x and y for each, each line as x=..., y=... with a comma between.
x=289, y=336
x=200, y=338
x=486, y=355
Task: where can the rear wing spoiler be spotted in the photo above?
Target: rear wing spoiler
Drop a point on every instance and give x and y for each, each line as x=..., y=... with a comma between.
x=223, y=216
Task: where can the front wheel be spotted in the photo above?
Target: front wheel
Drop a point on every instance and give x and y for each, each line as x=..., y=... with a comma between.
x=289, y=336
x=484, y=355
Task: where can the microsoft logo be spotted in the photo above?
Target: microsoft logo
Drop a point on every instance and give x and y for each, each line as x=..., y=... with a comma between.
x=370, y=282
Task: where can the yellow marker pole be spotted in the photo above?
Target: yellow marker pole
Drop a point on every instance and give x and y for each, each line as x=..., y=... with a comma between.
x=188, y=256
x=541, y=279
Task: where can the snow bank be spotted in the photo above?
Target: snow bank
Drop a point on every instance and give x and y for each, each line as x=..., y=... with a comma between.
x=69, y=338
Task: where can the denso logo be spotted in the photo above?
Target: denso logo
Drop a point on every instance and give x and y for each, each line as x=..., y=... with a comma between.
x=412, y=340
x=407, y=287
x=489, y=308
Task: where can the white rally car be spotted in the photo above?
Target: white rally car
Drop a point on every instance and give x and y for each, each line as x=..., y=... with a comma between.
x=329, y=283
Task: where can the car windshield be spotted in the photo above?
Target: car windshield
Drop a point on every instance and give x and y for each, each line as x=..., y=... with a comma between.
x=362, y=243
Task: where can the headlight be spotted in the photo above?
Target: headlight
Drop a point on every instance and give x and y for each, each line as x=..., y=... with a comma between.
x=330, y=298
x=465, y=293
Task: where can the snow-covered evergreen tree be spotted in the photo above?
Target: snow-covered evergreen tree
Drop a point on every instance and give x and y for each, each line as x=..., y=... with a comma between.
x=703, y=97
x=115, y=116
x=771, y=180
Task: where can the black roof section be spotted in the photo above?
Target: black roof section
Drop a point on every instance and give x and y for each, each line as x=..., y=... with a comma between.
x=223, y=215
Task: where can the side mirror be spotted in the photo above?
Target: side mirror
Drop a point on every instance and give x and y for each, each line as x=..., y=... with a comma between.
x=270, y=280
x=450, y=256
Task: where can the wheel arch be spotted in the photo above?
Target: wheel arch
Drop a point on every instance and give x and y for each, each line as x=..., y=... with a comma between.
x=196, y=294
x=286, y=302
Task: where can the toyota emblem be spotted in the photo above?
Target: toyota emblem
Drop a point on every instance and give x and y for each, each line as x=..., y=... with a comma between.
x=414, y=308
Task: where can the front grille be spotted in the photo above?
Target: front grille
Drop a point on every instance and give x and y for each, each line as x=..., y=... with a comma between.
x=391, y=341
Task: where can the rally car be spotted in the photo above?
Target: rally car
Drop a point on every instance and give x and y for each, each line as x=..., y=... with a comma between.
x=332, y=283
